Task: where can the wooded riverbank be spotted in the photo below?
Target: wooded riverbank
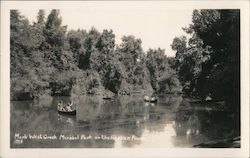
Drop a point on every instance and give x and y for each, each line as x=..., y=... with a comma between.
x=49, y=60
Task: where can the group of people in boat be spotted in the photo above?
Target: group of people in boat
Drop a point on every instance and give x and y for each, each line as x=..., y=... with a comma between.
x=150, y=99
x=67, y=108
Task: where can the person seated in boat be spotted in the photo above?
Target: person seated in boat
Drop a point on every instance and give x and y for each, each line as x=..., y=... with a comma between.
x=59, y=105
x=64, y=109
x=153, y=99
x=70, y=107
x=209, y=98
x=146, y=98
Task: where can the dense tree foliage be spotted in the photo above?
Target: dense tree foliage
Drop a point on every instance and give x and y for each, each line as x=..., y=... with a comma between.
x=162, y=76
x=46, y=59
x=208, y=63
x=25, y=53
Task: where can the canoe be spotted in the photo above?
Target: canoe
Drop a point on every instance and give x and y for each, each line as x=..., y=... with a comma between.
x=71, y=112
x=106, y=97
x=150, y=99
x=63, y=110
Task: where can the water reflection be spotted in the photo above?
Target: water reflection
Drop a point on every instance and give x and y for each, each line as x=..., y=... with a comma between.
x=126, y=121
x=161, y=138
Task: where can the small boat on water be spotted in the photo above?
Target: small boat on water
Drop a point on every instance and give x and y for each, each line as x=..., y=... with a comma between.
x=153, y=99
x=106, y=97
x=72, y=112
x=68, y=109
x=150, y=99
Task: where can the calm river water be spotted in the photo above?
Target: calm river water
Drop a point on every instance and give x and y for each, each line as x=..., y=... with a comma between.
x=124, y=122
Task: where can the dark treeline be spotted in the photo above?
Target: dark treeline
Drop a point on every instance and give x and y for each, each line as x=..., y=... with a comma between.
x=209, y=62
x=46, y=59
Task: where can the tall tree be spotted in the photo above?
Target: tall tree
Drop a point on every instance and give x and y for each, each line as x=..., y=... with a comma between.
x=163, y=78
x=132, y=56
x=41, y=17
x=30, y=75
x=189, y=59
x=76, y=41
x=213, y=55
x=58, y=53
x=89, y=48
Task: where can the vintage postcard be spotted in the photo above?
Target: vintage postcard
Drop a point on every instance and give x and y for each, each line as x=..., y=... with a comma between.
x=124, y=78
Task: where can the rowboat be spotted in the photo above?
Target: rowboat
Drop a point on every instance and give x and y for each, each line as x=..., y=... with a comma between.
x=150, y=99
x=106, y=97
x=71, y=112
x=66, y=109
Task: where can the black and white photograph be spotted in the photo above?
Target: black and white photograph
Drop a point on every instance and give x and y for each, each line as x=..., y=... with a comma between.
x=119, y=75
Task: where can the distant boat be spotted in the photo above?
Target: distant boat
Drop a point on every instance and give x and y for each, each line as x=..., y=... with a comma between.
x=66, y=109
x=150, y=99
x=208, y=98
x=153, y=99
x=71, y=112
x=106, y=97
